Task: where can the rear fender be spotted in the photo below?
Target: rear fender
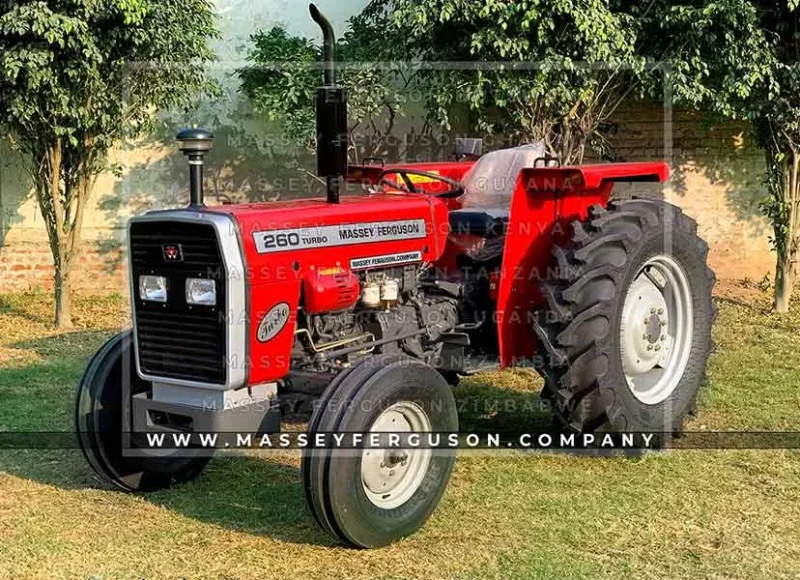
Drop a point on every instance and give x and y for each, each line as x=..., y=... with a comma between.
x=546, y=201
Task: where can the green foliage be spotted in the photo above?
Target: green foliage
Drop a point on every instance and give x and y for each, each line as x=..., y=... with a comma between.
x=719, y=59
x=77, y=76
x=581, y=57
x=282, y=83
x=286, y=71
x=91, y=72
x=739, y=59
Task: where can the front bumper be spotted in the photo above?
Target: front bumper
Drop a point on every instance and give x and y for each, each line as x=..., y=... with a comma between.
x=171, y=409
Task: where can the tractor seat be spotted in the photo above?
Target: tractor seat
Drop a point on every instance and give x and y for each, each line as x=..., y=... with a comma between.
x=484, y=223
x=489, y=187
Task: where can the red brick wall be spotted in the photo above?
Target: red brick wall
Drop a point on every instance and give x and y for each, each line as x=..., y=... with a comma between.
x=29, y=266
x=717, y=179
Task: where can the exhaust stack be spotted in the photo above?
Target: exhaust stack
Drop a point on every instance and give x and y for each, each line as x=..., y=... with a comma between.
x=332, y=139
x=195, y=143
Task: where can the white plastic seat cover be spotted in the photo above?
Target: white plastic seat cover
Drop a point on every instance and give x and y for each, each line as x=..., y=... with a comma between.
x=490, y=184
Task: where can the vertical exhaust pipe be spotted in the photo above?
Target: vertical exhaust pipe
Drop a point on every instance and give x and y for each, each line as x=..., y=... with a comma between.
x=329, y=44
x=195, y=143
x=332, y=138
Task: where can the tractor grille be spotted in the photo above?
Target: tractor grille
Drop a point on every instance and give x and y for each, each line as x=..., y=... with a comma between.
x=175, y=339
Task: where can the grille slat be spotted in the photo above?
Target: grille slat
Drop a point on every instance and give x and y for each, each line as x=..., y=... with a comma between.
x=174, y=339
x=164, y=342
x=183, y=361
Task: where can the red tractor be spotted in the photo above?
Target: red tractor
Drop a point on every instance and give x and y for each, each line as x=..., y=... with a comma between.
x=374, y=304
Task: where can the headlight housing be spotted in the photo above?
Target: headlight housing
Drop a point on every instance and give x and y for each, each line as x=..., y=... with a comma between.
x=153, y=288
x=201, y=292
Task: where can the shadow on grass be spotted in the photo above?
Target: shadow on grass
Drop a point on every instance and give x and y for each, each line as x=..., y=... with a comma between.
x=80, y=344
x=484, y=408
x=262, y=493
x=250, y=494
x=758, y=309
x=8, y=306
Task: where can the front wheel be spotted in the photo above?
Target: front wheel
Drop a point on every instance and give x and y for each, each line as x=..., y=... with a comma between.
x=628, y=325
x=373, y=497
x=99, y=409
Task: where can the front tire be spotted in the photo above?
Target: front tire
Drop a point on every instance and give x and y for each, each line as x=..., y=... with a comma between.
x=370, y=498
x=628, y=327
x=98, y=423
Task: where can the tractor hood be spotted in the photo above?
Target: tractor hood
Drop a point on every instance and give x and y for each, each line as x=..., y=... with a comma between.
x=308, y=234
x=288, y=245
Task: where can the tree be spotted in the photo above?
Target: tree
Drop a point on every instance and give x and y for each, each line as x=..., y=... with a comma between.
x=740, y=59
x=78, y=76
x=580, y=63
x=286, y=71
x=776, y=123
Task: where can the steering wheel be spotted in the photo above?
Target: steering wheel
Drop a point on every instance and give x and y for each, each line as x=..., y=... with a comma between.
x=409, y=187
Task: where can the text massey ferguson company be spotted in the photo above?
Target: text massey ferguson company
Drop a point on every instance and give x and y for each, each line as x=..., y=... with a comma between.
x=338, y=235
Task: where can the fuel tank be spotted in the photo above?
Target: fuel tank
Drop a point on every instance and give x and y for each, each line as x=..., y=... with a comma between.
x=292, y=245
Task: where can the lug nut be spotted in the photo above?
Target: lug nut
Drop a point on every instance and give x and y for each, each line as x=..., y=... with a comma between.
x=658, y=347
x=649, y=347
x=661, y=311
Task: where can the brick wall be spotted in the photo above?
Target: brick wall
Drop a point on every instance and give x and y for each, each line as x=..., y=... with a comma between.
x=29, y=266
x=717, y=177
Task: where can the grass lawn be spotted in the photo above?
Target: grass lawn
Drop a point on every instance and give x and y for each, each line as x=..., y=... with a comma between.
x=681, y=514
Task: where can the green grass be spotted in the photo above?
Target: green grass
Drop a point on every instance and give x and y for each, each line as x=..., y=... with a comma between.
x=688, y=514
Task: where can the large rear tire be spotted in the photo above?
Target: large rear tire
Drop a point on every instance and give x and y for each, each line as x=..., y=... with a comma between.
x=627, y=331
x=98, y=423
x=370, y=498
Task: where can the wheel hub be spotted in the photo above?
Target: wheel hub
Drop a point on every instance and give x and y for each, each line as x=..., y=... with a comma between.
x=391, y=476
x=653, y=326
x=656, y=329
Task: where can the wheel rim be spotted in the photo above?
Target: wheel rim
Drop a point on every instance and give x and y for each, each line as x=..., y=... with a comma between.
x=390, y=477
x=656, y=329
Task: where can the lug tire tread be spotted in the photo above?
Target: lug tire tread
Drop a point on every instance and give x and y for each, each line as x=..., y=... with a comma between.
x=576, y=331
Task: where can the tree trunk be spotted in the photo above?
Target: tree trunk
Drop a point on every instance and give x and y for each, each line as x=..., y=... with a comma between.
x=62, y=295
x=784, y=280
x=62, y=188
x=789, y=248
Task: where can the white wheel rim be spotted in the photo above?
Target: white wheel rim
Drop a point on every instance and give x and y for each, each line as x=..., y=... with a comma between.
x=656, y=330
x=390, y=477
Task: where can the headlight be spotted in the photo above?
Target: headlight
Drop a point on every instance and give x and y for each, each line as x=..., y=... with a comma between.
x=153, y=288
x=201, y=292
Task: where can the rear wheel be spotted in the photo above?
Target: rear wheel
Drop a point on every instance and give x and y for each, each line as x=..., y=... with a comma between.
x=373, y=497
x=99, y=410
x=628, y=324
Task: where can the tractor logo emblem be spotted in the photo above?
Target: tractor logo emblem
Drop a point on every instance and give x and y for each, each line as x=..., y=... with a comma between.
x=273, y=322
x=172, y=253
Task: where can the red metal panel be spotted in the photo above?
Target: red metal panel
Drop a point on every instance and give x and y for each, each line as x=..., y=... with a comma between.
x=330, y=290
x=591, y=177
x=271, y=360
x=539, y=216
x=276, y=277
